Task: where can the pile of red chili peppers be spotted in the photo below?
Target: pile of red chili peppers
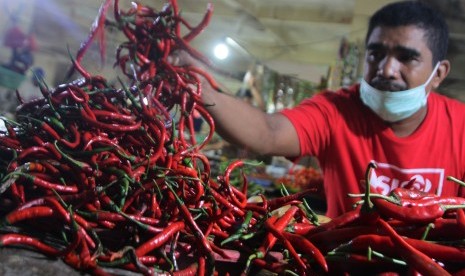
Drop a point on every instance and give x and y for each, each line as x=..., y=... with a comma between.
x=408, y=232
x=113, y=178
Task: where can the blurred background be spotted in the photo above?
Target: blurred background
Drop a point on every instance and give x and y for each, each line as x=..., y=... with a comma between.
x=292, y=48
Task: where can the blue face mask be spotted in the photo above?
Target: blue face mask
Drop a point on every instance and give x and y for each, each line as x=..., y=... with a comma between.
x=397, y=105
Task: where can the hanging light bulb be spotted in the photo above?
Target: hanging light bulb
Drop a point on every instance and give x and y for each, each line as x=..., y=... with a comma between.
x=221, y=51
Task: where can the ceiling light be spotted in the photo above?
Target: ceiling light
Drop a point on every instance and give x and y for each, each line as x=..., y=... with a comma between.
x=221, y=51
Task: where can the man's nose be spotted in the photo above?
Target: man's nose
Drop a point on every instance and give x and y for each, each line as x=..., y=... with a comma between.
x=388, y=68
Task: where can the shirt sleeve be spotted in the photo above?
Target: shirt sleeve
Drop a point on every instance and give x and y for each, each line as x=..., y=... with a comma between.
x=312, y=120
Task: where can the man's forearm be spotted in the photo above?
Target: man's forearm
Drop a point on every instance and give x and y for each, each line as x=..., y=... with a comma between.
x=236, y=121
x=242, y=124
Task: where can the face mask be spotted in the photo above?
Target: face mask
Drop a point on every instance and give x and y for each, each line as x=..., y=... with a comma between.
x=398, y=105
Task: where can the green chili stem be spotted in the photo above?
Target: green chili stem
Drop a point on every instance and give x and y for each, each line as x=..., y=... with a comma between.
x=384, y=257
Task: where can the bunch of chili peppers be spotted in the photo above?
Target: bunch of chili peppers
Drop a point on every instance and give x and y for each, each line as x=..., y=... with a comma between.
x=113, y=177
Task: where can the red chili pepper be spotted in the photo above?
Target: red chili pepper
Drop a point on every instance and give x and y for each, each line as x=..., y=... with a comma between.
x=77, y=137
x=45, y=184
x=351, y=263
x=440, y=229
x=110, y=127
x=9, y=142
x=278, y=202
x=23, y=240
x=160, y=239
x=421, y=262
x=449, y=200
x=25, y=214
x=403, y=193
x=361, y=243
x=384, y=244
x=412, y=197
x=113, y=116
x=278, y=233
x=97, y=28
x=413, y=214
x=307, y=247
x=279, y=268
x=280, y=224
x=252, y=206
x=301, y=228
x=218, y=197
x=192, y=270
x=10, y=129
x=45, y=127
x=327, y=241
x=461, y=219
x=82, y=165
x=33, y=153
x=71, y=218
x=201, y=26
x=17, y=193
x=115, y=217
x=190, y=222
x=340, y=221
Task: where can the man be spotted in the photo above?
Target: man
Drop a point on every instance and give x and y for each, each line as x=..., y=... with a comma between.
x=410, y=132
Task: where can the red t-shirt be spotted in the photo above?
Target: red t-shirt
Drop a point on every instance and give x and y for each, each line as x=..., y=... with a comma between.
x=345, y=136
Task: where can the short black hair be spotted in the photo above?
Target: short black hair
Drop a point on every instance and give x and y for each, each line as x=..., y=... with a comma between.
x=419, y=14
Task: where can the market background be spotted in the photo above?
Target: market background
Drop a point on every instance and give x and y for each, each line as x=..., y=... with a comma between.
x=294, y=47
x=299, y=45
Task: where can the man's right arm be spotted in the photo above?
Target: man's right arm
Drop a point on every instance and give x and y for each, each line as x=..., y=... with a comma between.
x=242, y=124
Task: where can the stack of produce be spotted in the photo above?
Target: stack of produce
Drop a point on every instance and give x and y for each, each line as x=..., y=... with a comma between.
x=105, y=177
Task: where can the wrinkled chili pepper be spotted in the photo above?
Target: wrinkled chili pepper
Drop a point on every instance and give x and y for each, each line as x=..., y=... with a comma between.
x=421, y=262
x=413, y=214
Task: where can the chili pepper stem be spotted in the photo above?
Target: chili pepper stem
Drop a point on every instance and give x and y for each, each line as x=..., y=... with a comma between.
x=289, y=272
x=451, y=207
x=384, y=257
x=241, y=230
x=309, y=211
x=458, y=181
x=427, y=229
x=368, y=205
x=387, y=198
x=256, y=255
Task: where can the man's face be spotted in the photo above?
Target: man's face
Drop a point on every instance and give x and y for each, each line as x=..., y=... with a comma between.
x=397, y=58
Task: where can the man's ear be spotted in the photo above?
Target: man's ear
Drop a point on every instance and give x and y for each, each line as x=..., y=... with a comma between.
x=441, y=73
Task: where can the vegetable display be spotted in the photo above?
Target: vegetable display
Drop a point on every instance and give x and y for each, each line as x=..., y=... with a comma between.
x=104, y=176
x=107, y=177
x=302, y=179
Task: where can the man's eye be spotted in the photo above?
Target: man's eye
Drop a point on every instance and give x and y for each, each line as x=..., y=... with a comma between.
x=407, y=58
x=375, y=56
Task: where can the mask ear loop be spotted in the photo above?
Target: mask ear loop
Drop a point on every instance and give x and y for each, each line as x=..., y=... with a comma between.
x=431, y=77
x=434, y=72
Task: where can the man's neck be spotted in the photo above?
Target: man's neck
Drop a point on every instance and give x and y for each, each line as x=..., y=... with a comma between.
x=407, y=126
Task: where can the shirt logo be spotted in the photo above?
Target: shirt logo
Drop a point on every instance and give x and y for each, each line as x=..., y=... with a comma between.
x=388, y=177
